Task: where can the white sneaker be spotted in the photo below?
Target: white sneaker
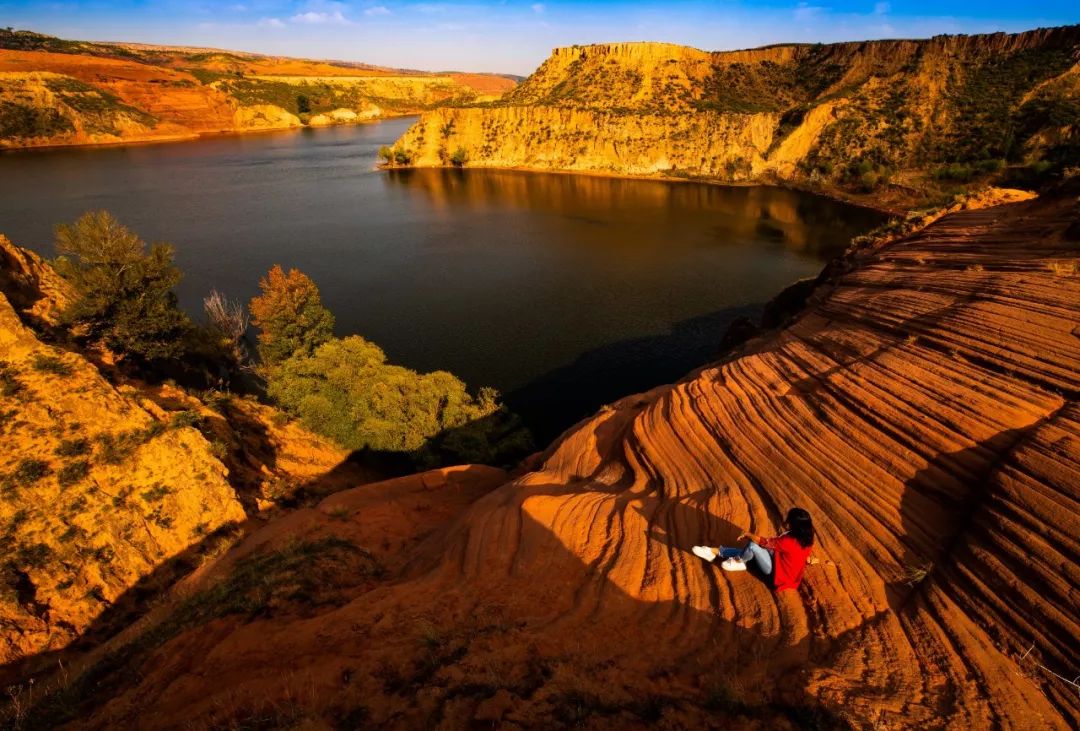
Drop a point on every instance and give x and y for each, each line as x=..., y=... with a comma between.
x=709, y=554
x=733, y=564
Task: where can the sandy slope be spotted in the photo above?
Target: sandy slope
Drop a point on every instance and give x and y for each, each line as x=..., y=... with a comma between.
x=923, y=408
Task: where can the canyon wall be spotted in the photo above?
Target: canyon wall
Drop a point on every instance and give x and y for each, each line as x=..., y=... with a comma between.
x=887, y=118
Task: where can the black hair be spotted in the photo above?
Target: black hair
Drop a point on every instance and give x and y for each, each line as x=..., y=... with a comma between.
x=800, y=526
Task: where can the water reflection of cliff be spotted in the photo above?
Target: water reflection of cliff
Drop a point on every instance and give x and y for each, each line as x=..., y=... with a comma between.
x=796, y=221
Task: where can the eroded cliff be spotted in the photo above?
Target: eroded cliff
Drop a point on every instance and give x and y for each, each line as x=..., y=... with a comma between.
x=901, y=120
x=923, y=407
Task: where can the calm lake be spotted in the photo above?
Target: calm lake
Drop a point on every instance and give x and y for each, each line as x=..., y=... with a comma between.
x=564, y=292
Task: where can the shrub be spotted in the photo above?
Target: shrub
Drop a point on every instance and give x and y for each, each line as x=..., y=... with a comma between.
x=36, y=556
x=125, y=293
x=386, y=154
x=73, y=472
x=182, y=419
x=29, y=471
x=73, y=447
x=402, y=157
x=115, y=448
x=10, y=385
x=227, y=322
x=459, y=158
x=51, y=364
x=347, y=391
x=290, y=316
x=156, y=493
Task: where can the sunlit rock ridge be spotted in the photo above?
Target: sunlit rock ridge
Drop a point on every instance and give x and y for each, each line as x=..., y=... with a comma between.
x=863, y=116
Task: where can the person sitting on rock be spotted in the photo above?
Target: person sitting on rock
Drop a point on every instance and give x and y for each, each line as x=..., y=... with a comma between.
x=783, y=558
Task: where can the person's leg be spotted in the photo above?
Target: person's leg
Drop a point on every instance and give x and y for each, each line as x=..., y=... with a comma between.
x=754, y=552
x=729, y=552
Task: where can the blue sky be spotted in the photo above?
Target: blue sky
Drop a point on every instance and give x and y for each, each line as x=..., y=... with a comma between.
x=508, y=36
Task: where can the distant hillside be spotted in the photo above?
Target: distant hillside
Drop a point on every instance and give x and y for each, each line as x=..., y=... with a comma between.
x=56, y=92
x=898, y=120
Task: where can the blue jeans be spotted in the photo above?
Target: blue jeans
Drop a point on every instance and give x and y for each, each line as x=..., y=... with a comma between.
x=752, y=552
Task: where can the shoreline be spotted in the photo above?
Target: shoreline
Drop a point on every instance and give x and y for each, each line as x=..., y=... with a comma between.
x=774, y=183
x=193, y=136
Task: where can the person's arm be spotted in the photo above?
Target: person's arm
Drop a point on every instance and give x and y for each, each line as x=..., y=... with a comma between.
x=760, y=540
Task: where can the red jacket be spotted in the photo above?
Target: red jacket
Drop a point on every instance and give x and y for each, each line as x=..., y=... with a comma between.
x=789, y=560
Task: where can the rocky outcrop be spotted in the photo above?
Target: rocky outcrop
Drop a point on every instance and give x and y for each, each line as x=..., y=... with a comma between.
x=923, y=407
x=902, y=120
x=31, y=286
x=95, y=493
x=264, y=116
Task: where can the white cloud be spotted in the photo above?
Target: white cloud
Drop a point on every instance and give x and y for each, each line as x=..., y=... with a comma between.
x=270, y=23
x=377, y=10
x=538, y=8
x=881, y=8
x=333, y=17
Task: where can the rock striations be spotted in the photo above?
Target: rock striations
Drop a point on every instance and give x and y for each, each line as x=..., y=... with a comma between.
x=875, y=116
x=923, y=407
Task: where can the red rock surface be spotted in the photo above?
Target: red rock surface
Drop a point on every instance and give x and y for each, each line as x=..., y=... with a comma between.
x=923, y=408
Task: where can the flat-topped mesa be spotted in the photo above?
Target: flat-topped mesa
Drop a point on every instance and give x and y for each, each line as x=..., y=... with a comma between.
x=888, y=119
x=633, y=51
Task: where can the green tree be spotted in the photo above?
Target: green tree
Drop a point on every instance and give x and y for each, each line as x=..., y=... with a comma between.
x=125, y=293
x=386, y=154
x=460, y=157
x=347, y=391
x=303, y=104
x=402, y=157
x=290, y=316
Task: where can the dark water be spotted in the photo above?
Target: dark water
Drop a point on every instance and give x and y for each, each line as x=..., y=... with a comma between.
x=564, y=292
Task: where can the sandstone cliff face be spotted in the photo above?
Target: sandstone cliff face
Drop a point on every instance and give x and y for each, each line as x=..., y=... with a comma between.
x=923, y=408
x=587, y=140
x=863, y=117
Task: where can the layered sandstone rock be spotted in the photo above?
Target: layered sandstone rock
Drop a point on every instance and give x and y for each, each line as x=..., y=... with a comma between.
x=923, y=408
